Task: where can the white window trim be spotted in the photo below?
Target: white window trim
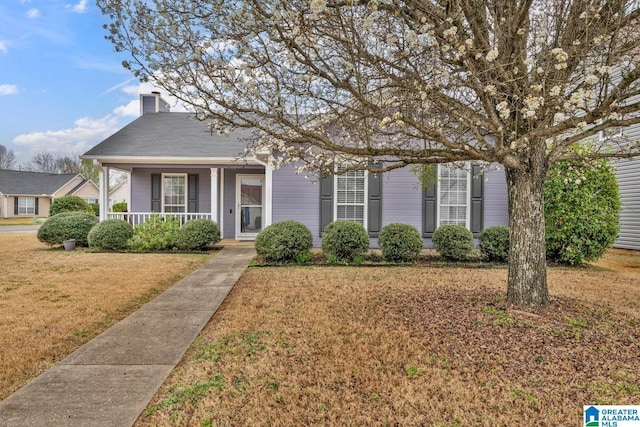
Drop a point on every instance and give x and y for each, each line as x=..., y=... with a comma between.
x=365, y=213
x=467, y=224
x=186, y=190
x=617, y=135
x=33, y=200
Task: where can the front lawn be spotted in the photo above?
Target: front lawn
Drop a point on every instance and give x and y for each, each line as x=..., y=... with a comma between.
x=408, y=346
x=52, y=301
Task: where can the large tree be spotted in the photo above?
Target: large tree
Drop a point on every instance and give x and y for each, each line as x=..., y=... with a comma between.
x=410, y=82
x=7, y=158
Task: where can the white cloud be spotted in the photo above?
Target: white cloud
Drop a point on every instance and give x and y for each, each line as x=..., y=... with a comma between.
x=33, y=13
x=8, y=90
x=86, y=133
x=3, y=46
x=81, y=7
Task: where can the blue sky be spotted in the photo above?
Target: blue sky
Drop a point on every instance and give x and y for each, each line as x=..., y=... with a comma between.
x=62, y=86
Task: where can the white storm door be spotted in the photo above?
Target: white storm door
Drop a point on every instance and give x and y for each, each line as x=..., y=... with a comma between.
x=249, y=199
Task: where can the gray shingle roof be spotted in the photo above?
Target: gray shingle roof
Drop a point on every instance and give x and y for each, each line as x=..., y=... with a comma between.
x=33, y=183
x=169, y=135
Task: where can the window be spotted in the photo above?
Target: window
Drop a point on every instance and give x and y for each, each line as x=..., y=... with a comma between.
x=610, y=133
x=91, y=201
x=351, y=196
x=174, y=191
x=453, y=196
x=26, y=206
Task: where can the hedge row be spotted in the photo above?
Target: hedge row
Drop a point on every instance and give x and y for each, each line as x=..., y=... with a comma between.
x=157, y=234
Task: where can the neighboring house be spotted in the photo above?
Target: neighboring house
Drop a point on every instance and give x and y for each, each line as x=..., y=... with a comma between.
x=119, y=194
x=177, y=167
x=628, y=174
x=24, y=193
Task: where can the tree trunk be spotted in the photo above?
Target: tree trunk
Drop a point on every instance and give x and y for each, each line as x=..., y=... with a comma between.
x=527, y=279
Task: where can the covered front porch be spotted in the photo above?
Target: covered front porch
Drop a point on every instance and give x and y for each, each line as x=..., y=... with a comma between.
x=237, y=196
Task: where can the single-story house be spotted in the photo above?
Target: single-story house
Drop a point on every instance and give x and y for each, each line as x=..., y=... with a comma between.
x=25, y=193
x=177, y=167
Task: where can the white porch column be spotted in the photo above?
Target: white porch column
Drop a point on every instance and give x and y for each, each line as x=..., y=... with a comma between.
x=222, y=213
x=103, y=176
x=5, y=206
x=214, y=195
x=268, y=195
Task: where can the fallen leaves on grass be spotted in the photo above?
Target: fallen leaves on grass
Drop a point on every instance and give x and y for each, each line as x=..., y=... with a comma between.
x=411, y=346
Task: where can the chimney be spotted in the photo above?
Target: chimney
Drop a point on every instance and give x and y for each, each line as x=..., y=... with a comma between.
x=153, y=103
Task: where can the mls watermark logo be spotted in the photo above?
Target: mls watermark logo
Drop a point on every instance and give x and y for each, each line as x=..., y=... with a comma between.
x=611, y=416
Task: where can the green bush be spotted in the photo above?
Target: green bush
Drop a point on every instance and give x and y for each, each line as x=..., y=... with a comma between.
x=67, y=226
x=111, y=235
x=119, y=207
x=155, y=234
x=95, y=208
x=69, y=203
x=198, y=235
x=582, y=207
x=494, y=243
x=400, y=242
x=285, y=241
x=453, y=242
x=344, y=241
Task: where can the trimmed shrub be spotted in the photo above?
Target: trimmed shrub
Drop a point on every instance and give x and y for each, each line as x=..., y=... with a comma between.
x=198, y=235
x=119, y=207
x=155, y=234
x=110, y=235
x=582, y=207
x=494, y=243
x=285, y=241
x=69, y=203
x=67, y=226
x=400, y=242
x=344, y=241
x=453, y=242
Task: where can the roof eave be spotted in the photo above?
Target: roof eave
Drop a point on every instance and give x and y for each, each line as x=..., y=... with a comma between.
x=145, y=160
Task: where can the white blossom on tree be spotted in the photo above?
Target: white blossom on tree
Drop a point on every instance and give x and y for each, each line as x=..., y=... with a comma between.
x=410, y=82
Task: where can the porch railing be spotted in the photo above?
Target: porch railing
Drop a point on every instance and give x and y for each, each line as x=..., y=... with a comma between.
x=135, y=218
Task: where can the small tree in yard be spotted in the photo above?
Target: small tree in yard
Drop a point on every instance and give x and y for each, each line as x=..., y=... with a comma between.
x=510, y=82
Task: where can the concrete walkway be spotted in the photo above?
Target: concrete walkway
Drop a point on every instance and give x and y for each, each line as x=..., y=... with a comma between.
x=110, y=380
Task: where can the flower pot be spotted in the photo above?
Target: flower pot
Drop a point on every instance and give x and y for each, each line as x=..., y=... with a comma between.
x=69, y=245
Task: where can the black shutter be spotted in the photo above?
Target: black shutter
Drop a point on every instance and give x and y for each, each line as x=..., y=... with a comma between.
x=326, y=202
x=15, y=205
x=36, y=207
x=477, y=199
x=374, y=214
x=156, y=192
x=430, y=203
x=192, y=193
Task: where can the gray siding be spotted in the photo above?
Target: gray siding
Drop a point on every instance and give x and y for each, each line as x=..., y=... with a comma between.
x=141, y=187
x=629, y=181
x=297, y=198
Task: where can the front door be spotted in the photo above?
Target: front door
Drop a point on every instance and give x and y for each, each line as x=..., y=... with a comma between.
x=249, y=196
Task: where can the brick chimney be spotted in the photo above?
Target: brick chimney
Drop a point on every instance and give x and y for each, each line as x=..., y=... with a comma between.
x=153, y=103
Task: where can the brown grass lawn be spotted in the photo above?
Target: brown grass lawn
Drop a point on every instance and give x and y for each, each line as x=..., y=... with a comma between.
x=52, y=301
x=409, y=346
